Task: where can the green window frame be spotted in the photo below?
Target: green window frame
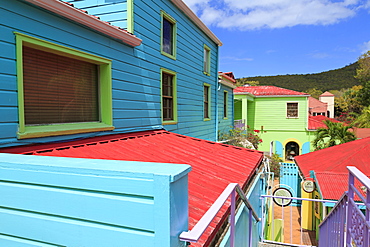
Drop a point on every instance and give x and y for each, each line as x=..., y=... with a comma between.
x=206, y=101
x=206, y=60
x=168, y=35
x=292, y=110
x=103, y=98
x=168, y=96
x=225, y=109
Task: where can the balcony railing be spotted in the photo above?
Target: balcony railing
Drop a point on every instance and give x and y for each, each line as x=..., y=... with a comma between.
x=239, y=124
x=348, y=222
x=231, y=190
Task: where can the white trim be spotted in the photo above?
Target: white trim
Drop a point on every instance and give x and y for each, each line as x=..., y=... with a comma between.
x=228, y=84
x=187, y=11
x=81, y=17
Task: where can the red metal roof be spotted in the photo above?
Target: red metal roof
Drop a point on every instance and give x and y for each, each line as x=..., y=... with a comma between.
x=333, y=185
x=267, y=91
x=315, y=122
x=361, y=132
x=336, y=159
x=316, y=105
x=214, y=165
x=327, y=94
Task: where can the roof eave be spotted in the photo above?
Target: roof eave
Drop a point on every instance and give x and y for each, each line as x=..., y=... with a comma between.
x=78, y=16
x=268, y=96
x=184, y=8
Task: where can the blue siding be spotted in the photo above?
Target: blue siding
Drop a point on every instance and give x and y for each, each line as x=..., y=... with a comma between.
x=50, y=201
x=135, y=71
x=113, y=11
x=224, y=125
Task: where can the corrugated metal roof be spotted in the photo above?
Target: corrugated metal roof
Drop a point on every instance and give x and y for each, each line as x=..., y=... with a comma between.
x=214, y=165
x=333, y=185
x=336, y=159
x=316, y=105
x=268, y=91
x=315, y=122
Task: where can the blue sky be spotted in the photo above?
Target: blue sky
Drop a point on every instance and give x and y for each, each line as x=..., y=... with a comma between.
x=279, y=37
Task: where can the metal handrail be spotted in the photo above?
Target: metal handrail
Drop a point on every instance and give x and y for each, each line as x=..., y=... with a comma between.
x=194, y=234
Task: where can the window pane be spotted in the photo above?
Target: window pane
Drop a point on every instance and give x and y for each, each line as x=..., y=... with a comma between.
x=206, y=101
x=292, y=109
x=58, y=89
x=167, y=97
x=167, y=29
x=225, y=104
x=206, y=60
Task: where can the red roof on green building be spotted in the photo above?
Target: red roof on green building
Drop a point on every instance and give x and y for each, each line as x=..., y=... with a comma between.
x=315, y=122
x=214, y=165
x=267, y=91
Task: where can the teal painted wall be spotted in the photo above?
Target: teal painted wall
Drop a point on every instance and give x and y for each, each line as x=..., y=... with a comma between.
x=52, y=201
x=225, y=124
x=113, y=11
x=135, y=71
x=257, y=189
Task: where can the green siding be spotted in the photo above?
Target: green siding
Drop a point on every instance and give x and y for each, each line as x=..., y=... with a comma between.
x=271, y=114
x=238, y=109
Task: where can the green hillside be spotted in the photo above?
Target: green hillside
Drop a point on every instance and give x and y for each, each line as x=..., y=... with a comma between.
x=324, y=81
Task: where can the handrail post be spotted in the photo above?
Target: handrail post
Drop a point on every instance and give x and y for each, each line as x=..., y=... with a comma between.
x=351, y=181
x=250, y=228
x=232, y=218
x=367, y=219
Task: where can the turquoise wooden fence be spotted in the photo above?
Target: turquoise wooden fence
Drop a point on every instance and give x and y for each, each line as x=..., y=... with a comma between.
x=290, y=179
x=53, y=201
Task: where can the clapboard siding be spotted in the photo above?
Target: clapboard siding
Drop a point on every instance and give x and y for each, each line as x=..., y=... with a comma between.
x=225, y=125
x=135, y=71
x=111, y=11
x=275, y=108
x=51, y=201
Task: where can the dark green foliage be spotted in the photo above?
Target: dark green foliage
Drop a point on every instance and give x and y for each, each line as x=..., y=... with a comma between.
x=333, y=134
x=329, y=80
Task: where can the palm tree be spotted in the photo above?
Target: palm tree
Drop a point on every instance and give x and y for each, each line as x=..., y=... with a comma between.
x=335, y=133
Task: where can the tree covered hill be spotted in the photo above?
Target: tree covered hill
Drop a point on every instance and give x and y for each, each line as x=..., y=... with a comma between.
x=324, y=81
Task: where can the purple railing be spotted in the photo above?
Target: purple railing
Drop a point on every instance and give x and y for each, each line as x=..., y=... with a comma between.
x=231, y=190
x=346, y=222
x=332, y=229
x=239, y=124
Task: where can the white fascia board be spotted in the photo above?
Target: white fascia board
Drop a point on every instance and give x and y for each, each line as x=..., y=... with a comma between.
x=187, y=11
x=228, y=84
x=79, y=16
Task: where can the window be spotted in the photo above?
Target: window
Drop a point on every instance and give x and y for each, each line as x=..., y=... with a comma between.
x=168, y=36
x=206, y=101
x=169, y=99
x=207, y=60
x=225, y=103
x=292, y=110
x=61, y=90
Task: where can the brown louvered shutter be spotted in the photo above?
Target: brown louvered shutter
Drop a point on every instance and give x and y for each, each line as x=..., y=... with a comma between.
x=58, y=89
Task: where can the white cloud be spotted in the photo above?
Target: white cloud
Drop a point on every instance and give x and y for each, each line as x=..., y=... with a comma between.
x=237, y=58
x=257, y=14
x=365, y=47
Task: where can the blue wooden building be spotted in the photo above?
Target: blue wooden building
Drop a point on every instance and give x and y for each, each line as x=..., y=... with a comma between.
x=76, y=71
x=146, y=65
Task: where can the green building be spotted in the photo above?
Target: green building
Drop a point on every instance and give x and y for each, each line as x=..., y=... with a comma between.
x=279, y=116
